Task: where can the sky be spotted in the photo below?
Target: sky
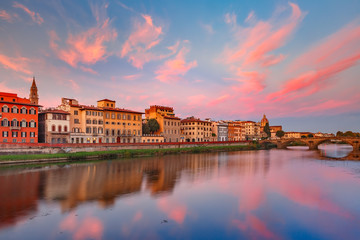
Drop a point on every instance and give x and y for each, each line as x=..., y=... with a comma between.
x=295, y=61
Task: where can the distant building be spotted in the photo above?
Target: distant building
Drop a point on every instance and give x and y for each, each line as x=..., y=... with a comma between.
x=152, y=138
x=274, y=129
x=292, y=135
x=54, y=126
x=222, y=131
x=169, y=123
x=235, y=131
x=263, y=123
x=196, y=130
x=19, y=118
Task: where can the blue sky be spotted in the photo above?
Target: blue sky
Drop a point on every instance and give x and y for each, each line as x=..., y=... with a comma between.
x=297, y=62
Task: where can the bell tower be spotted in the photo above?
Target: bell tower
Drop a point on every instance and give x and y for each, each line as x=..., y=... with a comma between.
x=34, y=97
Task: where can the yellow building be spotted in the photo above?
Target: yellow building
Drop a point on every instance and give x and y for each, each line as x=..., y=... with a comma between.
x=196, y=130
x=120, y=125
x=102, y=124
x=169, y=123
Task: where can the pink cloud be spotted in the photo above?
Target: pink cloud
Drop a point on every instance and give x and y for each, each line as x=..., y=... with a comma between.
x=19, y=64
x=138, y=216
x=219, y=100
x=173, y=68
x=144, y=37
x=89, y=70
x=90, y=228
x=7, y=16
x=230, y=18
x=87, y=47
x=251, y=52
x=131, y=77
x=173, y=210
x=34, y=16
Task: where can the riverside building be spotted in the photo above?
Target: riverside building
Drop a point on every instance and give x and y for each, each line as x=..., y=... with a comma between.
x=19, y=117
x=196, y=130
x=104, y=123
x=54, y=126
x=169, y=123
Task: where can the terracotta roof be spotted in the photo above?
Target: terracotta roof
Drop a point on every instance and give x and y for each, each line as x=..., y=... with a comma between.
x=54, y=111
x=169, y=117
x=120, y=110
x=108, y=100
x=193, y=120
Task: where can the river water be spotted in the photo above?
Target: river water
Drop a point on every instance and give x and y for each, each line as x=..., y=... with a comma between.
x=267, y=194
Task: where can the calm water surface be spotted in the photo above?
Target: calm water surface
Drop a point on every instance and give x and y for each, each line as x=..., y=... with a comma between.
x=274, y=194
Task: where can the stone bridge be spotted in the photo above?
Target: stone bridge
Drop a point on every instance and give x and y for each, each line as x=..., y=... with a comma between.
x=313, y=143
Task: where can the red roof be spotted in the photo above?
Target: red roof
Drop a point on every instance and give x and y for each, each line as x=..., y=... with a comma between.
x=108, y=100
x=169, y=117
x=121, y=110
x=54, y=111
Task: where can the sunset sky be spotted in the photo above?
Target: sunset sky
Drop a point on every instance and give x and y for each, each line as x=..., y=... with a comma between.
x=297, y=62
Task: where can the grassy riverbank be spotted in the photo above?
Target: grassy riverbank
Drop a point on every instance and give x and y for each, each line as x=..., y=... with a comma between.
x=124, y=153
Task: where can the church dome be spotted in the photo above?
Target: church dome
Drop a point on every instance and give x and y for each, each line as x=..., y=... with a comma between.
x=264, y=121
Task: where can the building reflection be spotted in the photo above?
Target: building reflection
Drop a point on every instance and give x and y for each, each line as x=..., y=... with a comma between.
x=104, y=182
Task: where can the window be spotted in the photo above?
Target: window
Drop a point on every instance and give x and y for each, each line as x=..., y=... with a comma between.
x=113, y=115
x=5, y=123
x=94, y=121
x=23, y=110
x=32, y=140
x=15, y=110
x=112, y=132
x=124, y=117
x=23, y=134
x=5, y=109
x=32, y=134
x=88, y=130
x=59, y=129
x=100, y=130
x=53, y=128
x=94, y=113
x=101, y=122
x=88, y=121
x=32, y=111
x=23, y=123
x=65, y=129
x=94, y=130
x=134, y=118
x=129, y=117
x=76, y=112
x=14, y=123
x=76, y=120
x=14, y=134
x=118, y=116
x=32, y=124
x=5, y=133
x=107, y=115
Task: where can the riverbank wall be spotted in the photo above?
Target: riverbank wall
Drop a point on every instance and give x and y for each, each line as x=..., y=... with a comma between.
x=43, y=148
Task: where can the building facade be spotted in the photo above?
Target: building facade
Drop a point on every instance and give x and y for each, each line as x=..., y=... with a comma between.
x=196, y=130
x=169, y=123
x=222, y=131
x=54, y=126
x=235, y=131
x=19, y=119
x=103, y=123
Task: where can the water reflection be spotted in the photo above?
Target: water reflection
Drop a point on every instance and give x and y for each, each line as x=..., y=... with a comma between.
x=257, y=194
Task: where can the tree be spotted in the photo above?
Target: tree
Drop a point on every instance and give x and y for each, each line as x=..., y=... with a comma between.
x=339, y=134
x=310, y=135
x=145, y=128
x=267, y=130
x=153, y=125
x=280, y=133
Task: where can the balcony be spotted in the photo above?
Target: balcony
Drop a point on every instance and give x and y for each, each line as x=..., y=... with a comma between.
x=15, y=128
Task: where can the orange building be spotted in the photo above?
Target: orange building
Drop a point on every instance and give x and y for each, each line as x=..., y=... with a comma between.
x=19, y=118
x=196, y=130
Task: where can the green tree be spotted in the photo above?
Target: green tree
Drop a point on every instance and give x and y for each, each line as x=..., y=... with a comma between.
x=267, y=130
x=280, y=133
x=310, y=135
x=145, y=128
x=339, y=134
x=153, y=125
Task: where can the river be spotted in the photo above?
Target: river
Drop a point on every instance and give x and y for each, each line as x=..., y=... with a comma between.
x=266, y=194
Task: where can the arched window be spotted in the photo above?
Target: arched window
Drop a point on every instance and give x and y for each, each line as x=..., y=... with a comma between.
x=94, y=130
x=23, y=110
x=23, y=123
x=53, y=128
x=5, y=123
x=14, y=109
x=32, y=111
x=5, y=109
x=129, y=131
x=14, y=123
x=65, y=128
x=32, y=124
x=59, y=128
x=100, y=130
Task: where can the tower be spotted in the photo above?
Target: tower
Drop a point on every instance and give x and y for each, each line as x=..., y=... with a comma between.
x=264, y=121
x=34, y=97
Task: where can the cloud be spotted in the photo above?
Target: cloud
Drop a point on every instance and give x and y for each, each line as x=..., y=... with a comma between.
x=230, y=18
x=19, y=64
x=173, y=68
x=251, y=52
x=87, y=47
x=7, y=16
x=208, y=28
x=131, y=77
x=34, y=16
x=144, y=37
